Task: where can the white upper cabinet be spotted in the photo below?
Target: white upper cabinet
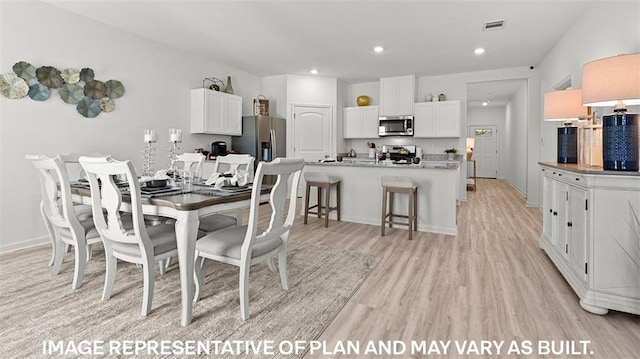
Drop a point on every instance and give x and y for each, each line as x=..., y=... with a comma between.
x=215, y=112
x=397, y=95
x=437, y=119
x=361, y=122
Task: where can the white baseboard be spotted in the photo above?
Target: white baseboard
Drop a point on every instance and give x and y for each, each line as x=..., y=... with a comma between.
x=34, y=242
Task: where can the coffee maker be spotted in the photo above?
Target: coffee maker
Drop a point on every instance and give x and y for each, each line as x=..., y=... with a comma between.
x=218, y=148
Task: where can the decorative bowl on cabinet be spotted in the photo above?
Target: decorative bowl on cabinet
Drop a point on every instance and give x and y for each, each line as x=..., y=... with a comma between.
x=362, y=100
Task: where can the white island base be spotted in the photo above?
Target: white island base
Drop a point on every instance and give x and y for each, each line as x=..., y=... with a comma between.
x=361, y=200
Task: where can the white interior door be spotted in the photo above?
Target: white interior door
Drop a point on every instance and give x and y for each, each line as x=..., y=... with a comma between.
x=485, y=150
x=312, y=132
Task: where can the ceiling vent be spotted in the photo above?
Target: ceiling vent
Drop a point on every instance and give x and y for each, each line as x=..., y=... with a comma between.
x=493, y=25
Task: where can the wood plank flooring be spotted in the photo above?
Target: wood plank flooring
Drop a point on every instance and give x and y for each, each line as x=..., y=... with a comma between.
x=491, y=282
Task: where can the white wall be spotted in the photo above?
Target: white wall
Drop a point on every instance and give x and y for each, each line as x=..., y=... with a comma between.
x=514, y=159
x=371, y=89
x=157, y=80
x=274, y=88
x=595, y=36
x=488, y=116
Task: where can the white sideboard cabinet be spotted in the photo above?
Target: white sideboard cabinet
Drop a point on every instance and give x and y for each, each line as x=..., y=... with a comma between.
x=591, y=232
x=215, y=112
x=440, y=119
x=397, y=95
x=360, y=122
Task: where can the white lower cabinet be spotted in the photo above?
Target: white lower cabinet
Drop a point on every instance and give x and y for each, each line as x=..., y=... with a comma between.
x=437, y=119
x=360, y=122
x=591, y=232
x=215, y=112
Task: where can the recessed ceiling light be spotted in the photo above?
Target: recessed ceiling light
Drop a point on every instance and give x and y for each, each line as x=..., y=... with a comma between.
x=485, y=103
x=378, y=49
x=478, y=51
x=314, y=71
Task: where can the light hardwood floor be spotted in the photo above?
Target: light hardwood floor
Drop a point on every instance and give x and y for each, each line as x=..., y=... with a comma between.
x=491, y=282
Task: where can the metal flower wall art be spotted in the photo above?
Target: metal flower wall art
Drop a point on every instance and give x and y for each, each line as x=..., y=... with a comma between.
x=75, y=87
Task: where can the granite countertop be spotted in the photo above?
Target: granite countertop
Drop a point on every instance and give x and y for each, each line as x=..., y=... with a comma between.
x=430, y=162
x=573, y=167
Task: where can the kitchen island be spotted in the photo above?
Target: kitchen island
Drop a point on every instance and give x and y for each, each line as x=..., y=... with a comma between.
x=362, y=191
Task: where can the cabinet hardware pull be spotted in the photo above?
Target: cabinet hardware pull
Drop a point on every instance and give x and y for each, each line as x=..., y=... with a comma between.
x=577, y=179
x=569, y=224
x=555, y=213
x=550, y=210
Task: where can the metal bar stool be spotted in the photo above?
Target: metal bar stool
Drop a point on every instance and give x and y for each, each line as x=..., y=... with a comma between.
x=322, y=181
x=399, y=184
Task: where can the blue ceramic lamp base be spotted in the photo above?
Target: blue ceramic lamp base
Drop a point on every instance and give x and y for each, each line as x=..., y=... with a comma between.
x=620, y=142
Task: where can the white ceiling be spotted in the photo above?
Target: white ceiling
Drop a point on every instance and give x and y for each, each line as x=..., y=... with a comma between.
x=268, y=37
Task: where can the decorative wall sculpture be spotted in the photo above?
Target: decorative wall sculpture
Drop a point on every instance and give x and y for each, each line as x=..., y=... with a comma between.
x=79, y=88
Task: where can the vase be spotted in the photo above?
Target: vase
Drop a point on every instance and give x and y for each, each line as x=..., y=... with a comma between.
x=229, y=88
x=450, y=156
x=362, y=100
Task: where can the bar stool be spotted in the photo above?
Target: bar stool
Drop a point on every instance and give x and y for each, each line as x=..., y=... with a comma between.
x=399, y=184
x=322, y=181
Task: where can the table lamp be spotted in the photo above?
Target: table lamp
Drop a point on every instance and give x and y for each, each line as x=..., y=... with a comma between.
x=470, y=144
x=615, y=81
x=565, y=105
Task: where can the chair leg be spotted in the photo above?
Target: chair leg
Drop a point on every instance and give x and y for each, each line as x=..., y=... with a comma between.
x=52, y=234
x=306, y=203
x=272, y=265
x=391, y=209
x=282, y=265
x=384, y=211
x=58, y=256
x=411, y=218
x=327, y=200
x=338, y=200
x=199, y=271
x=81, y=249
x=89, y=252
x=149, y=274
x=163, y=268
x=415, y=210
x=319, y=209
x=110, y=276
x=244, y=291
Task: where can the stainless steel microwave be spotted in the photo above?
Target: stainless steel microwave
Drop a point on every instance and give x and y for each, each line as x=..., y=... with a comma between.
x=395, y=126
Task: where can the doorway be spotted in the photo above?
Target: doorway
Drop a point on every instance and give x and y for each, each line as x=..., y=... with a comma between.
x=312, y=131
x=485, y=150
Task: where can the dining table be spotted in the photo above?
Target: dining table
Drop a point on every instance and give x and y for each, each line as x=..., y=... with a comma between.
x=186, y=207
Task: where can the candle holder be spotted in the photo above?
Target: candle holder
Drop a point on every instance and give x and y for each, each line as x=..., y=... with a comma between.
x=175, y=138
x=148, y=153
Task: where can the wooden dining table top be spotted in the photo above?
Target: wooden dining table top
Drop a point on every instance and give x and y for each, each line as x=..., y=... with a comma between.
x=183, y=201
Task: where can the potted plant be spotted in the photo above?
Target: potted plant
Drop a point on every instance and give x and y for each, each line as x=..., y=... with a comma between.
x=451, y=152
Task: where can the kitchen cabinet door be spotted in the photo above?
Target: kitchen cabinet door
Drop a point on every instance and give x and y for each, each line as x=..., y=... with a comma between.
x=437, y=119
x=360, y=122
x=370, y=122
x=448, y=119
x=424, y=120
x=215, y=112
x=397, y=95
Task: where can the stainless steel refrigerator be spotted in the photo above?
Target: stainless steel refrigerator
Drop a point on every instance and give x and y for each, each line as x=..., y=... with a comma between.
x=263, y=137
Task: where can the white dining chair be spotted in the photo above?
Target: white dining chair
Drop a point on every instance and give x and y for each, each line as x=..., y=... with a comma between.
x=228, y=163
x=244, y=246
x=59, y=214
x=140, y=245
x=191, y=161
